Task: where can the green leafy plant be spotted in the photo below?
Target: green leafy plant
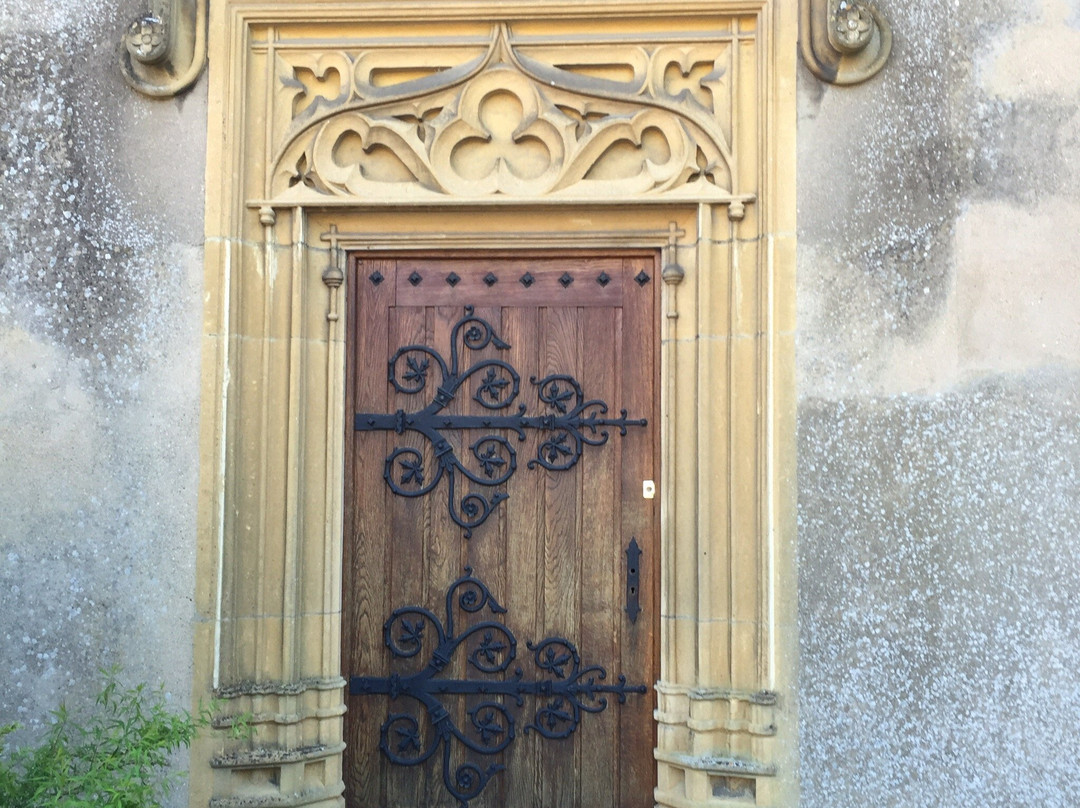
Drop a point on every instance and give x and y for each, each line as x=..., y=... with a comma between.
x=115, y=756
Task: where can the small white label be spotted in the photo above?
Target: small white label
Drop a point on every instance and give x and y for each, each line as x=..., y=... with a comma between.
x=648, y=489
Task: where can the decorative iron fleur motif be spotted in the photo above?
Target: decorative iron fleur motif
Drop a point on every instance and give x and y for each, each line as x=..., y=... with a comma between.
x=565, y=690
x=573, y=423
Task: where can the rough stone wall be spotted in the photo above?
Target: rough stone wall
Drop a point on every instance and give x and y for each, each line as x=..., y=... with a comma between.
x=939, y=381
x=101, y=199
x=939, y=415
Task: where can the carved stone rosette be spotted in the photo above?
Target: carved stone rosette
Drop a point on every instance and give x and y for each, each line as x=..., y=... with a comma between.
x=164, y=50
x=843, y=41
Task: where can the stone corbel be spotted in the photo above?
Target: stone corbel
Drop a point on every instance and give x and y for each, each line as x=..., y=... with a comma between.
x=843, y=41
x=164, y=50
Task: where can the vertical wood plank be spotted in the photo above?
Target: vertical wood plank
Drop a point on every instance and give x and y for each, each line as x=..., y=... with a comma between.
x=443, y=550
x=409, y=523
x=598, y=549
x=561, y=562
x=486, y=550
x=639, y=519
x=524, y=552
x=364, y=563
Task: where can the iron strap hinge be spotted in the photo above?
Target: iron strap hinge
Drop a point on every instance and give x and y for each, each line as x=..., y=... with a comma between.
x=566, y=689
x=573, y=422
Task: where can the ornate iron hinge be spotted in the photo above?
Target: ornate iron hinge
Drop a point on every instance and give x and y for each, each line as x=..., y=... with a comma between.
x=565, y=688
x=574, y=422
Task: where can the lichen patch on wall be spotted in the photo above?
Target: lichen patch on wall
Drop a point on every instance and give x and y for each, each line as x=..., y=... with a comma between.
x=939, y=564
x=100, y=302
x=88, y=221
x=939, y=418
x=891, y=174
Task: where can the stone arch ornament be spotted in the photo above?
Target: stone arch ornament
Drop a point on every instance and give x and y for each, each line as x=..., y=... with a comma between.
x=843, y=42
x=507, y=124
x=381, y=126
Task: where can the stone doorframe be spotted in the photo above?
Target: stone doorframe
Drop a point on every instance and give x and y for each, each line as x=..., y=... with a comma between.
x=364, y=125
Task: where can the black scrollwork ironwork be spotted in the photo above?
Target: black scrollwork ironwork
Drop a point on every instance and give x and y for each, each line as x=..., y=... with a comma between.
x=565, y=689
x=575, y=421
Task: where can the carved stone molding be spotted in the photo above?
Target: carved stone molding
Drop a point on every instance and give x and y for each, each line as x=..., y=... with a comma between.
x=843, y=41
x=378, y=126
x=513, y=122
x=164, y=50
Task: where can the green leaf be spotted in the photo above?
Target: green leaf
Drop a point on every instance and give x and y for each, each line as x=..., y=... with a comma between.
x=115, y=756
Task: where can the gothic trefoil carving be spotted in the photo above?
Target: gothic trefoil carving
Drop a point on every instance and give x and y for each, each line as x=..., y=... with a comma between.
x=517, y=120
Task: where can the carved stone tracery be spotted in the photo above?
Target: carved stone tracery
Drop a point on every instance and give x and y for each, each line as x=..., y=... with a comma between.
x=507, y=122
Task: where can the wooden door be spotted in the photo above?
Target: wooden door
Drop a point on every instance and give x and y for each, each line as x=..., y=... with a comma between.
x=497, y=534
